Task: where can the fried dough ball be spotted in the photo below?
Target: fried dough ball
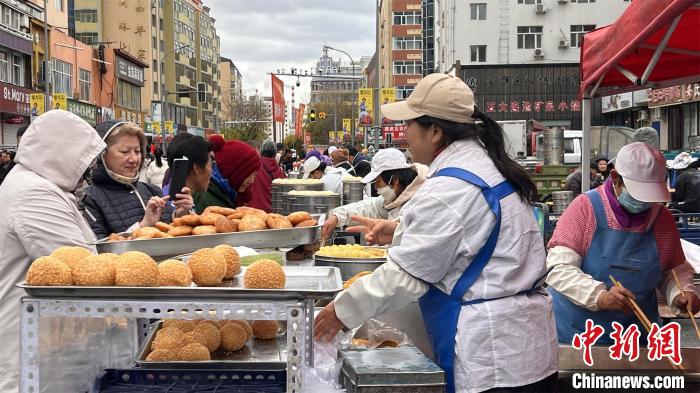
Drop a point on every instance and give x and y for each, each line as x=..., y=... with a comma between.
x=299, y=217
x=95, y=270
x=193, y=352
x=135, y=269
x=204, y=230
x=70, y=255
x=212, y=322
x=265, y=330
x=194, y=337
x=163, y=227
x=251, y=211
x=264, y=274
x=167, y=338
x=233, y=260
x=245, y=325
x=182, y=230
x=208, y=267
x=209, y=218
x=307, y=223
x=225, y=225
x=212, y=335
x=224, y=211
x=49, y=271
x=190, y=219
x=233, y=337
x=147, y=233
x=183, y=325
x=161, y=355
x=251, y=223
x=277, y=221
x=172, y=273
x=177, y=221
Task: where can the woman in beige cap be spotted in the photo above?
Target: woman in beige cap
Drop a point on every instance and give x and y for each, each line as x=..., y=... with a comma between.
x=467, y=247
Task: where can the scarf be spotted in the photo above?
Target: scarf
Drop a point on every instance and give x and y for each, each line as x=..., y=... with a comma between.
x=625, y=219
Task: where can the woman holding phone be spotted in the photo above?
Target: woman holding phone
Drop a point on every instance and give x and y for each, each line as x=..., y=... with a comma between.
x=116, y=201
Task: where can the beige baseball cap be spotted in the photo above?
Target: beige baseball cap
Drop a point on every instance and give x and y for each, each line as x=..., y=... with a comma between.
x=643, y=169
x=438, y=95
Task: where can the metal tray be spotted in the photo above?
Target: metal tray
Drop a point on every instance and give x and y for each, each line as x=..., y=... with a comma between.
x=349, y=266
x=172, y=246
x=302, y=283
x=255, y=355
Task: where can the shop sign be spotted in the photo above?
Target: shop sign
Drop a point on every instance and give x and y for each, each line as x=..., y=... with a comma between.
x=617, y=102
x=396, y=131
x=85, y=111
x=689, y=92
x=13, y=120
x=536, y=106
x=129, y=71
x=15, y=99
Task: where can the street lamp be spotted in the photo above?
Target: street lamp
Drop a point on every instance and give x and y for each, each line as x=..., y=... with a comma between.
x=162, y=91
x=352, y=118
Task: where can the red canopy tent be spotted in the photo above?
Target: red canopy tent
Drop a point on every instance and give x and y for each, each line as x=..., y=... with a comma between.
x=653, y=44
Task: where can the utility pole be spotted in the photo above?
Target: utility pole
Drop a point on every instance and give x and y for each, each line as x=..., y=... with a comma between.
x=378, y=76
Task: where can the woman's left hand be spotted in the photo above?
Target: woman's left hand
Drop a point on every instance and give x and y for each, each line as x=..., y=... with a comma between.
x=327, y=324
x=183, y=202
x=692, y=302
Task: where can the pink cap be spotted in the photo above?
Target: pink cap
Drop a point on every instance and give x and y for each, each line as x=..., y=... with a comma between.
x=643, y=170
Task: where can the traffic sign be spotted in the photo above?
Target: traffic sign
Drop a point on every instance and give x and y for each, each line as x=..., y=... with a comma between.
x=321, y=115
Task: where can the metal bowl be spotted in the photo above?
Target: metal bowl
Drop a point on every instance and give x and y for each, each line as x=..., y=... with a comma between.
x=349, y=266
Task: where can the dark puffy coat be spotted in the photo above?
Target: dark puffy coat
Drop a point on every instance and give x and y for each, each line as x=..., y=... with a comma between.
x=111, y=207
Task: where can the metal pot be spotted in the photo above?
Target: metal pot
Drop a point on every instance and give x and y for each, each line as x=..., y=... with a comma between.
x=349, y=266
x=353, y=191
x=314, y=204
x=279, y=191
x=561, y=200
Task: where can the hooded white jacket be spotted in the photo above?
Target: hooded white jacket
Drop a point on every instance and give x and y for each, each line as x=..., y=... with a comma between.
x=376, y=208
x=39, y=214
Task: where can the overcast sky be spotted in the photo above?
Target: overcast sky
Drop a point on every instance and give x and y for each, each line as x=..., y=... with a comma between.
x=262, y=36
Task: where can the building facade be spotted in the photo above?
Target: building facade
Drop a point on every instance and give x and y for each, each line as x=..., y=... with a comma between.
x=401, y=45
x=231, y=84
x=333, y=79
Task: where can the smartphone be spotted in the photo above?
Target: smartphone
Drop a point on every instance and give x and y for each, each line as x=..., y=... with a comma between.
x=179, y=175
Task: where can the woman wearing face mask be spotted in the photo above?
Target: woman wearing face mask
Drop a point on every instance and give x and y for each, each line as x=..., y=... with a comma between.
x=117, y=201
x=620, y=229
x=396, y=182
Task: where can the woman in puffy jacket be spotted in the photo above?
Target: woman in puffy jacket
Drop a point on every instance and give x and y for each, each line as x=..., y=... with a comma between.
x=156, y=168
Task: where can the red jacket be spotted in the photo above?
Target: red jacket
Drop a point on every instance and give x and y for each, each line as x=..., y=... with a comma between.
x=261, y=189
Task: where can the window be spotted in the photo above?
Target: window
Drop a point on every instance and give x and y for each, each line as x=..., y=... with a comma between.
x=129, y=95
x=62, y=77
x=58, y=4
x=84, y=82
x=577, y=32
x=155, y=65
x=6, y=16
x=529, y=37
x=10, y=18
x=477, y=53
x=87, y=38
x=407, y=18
x=4, y=67
x=17, y=70
x=526, y=1
x=155, y=87
x=407, y=68
x=408, y=43
x=86, y=16
x=15, y=20
x=478, y=11
x=402, y=92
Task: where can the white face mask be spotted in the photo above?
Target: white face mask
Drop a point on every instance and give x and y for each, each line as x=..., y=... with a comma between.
x=387, y=193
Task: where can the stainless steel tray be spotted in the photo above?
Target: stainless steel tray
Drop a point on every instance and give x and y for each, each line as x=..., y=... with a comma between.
x=255, y=355
x=302, y=283
x=168, y=247
x=349, y=266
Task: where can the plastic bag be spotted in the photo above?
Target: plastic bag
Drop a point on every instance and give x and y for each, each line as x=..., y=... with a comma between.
x=376, y=334
x=324, y=375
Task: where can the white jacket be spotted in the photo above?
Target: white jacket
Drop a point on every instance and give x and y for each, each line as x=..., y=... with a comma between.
x=511, y=341
x=39, y=214
x=155, y=175
x=333, y=179
x=376, y=208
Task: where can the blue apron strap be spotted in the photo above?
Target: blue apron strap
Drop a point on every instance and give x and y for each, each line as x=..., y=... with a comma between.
x=493, y=197
x=601, y=219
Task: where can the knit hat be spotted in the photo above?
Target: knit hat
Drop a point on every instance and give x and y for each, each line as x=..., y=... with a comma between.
x=236, y=160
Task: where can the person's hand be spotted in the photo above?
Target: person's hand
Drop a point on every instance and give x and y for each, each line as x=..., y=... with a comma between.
x=327, y=324
x=690, y=299
x=154, y=208
x=377, y=231
x=616, y=299
x=183, y=202
x=328, y=227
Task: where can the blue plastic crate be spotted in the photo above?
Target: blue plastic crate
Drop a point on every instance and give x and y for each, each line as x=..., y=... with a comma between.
x=191, y=381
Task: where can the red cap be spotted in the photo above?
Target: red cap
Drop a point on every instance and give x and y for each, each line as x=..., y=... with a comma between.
x=236, y=160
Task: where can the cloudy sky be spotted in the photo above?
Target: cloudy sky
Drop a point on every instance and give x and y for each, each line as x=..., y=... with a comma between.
x=262, y=36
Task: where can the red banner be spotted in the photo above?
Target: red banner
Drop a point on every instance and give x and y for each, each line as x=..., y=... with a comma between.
x=299, y=120
x=277, y=99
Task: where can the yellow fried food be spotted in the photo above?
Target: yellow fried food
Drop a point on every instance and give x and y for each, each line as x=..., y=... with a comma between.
x=194, y=337
x=351, y=251
x=209, y=218
x=252, y=223
x=236, y=215
x=95, y=270
x=277, y=221
x=135, y=269
x=208, y=267
x=182, y=230
x=190, y=219
x=233, y=337
x=172, y=273
x=70, y=255
x=183, y=325
x=193, y=352
x=354, y=278
x=212, y=335
x=163, y=227
x=161, y=355
x=233, y=260
x=147, y=233
x=49, y=271
x=224, y=211
x=204, y=230
x=265, y=330
x=264, y=274
x=167, y=338
x=307, y=223
x=225, y=225
x=244, y=324
x=299, y=217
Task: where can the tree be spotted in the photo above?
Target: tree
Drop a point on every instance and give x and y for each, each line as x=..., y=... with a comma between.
x=294, y=142
x=249, y=118
x=319, y=130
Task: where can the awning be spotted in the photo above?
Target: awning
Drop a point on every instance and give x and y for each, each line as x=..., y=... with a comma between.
x=652, y=44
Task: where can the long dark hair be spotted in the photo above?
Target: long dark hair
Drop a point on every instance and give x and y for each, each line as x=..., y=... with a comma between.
x=490, y=134
x=159, y=154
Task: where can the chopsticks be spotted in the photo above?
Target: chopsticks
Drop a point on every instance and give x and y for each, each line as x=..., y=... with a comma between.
x=692, y=317
x=643, y=319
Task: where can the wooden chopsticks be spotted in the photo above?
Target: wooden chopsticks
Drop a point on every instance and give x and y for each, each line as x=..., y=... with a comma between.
x=692, y=317
x=643, y=319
